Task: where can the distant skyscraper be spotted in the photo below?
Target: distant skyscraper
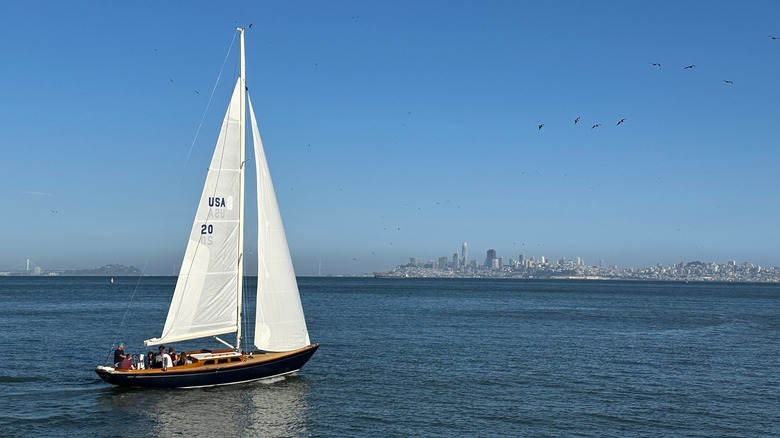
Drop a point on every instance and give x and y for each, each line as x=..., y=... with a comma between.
x=491, y=255
x=465, y=254
x=455, y=261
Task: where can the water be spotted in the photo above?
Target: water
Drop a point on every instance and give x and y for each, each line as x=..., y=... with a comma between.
x=404, y=357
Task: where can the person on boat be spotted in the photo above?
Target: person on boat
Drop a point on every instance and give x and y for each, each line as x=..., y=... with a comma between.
x=168, y=362
x=159, y=360
x=119, y=354
x=172, y=354
x=127, y=363
x=149, y=360
x=163, y=358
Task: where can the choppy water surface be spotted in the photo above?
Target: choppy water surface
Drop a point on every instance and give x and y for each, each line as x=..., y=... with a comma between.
x=416, y=357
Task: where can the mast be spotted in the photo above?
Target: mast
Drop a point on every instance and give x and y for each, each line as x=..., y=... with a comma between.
x=242, y=136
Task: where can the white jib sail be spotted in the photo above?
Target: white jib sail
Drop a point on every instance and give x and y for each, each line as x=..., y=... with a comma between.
x=205, y=299
x=280, y=325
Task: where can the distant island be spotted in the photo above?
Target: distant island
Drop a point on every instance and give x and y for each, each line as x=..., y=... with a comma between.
x=110, y=270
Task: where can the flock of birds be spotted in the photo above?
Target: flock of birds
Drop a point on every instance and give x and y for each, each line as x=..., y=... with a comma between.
x=577, y=120
x=653, y=64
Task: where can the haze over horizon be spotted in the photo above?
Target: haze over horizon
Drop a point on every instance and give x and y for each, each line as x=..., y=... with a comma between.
x=397, y=130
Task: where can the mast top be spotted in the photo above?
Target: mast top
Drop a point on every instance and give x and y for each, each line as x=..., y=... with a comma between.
x=242, y=62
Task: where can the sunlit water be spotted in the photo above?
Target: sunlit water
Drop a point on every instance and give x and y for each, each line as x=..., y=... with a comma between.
x=404, y=357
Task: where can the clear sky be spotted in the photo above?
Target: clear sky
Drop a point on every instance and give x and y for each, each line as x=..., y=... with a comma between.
x=398, y=129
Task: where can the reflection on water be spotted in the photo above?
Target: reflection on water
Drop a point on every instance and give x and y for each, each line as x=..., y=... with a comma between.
x=274, y=407
x=279, y=409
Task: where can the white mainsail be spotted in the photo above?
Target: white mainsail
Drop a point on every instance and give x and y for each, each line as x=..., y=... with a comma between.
x=280, y=325
x=205, y=301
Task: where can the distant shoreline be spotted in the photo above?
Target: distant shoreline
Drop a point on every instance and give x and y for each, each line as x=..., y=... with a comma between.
x=396, y=278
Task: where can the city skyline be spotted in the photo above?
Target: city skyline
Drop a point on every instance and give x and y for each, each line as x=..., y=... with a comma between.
x=395, y=128
x=495, y=260
x=562, y=269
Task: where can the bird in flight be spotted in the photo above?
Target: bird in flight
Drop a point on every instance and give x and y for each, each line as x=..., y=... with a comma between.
x=576, y=120
x=654, y=64
x=774, y=37
x=689, y=66
x=595, y=126
x=621, y=121
x=541, y=126
x=728, y=81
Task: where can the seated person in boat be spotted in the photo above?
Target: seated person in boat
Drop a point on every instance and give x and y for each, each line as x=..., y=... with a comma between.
x=158, y=358
x=127, y=363
x=184, y=360
x=119, y=354
x=168, y=362
x=162, y=360
x=172, y=354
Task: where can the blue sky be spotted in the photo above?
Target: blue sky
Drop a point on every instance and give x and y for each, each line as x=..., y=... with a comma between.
x=398, y=129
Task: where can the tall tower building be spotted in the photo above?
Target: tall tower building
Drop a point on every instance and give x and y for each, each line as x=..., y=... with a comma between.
x=465, y=254
x=491, y=255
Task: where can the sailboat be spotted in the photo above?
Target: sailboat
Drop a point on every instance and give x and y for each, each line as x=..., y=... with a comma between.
x=207, y=299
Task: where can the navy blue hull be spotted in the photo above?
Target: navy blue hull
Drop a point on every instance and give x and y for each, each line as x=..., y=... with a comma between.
x=227, y=375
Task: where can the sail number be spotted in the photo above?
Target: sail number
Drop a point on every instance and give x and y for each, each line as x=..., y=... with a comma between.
x=205, y=234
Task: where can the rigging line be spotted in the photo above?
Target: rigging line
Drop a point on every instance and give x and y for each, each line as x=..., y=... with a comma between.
x=127, y=309
x=211, y=97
